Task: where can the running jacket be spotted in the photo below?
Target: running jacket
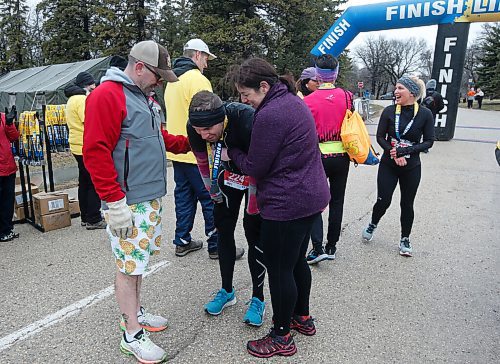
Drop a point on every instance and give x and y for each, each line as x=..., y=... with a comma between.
x=124, y=146
x=75, y=115
x=8, y=134
x=328, y=107
x=236, y=134
x=421, y=133
x=178, y=96
x=284, y=158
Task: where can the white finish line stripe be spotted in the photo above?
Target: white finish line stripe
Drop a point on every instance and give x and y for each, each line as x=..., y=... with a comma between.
x=71, y=310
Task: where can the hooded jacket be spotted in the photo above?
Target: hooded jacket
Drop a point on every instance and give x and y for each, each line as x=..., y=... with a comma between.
x=178, y=96
x=75, y=116
x=124, y=146
x=8, y=134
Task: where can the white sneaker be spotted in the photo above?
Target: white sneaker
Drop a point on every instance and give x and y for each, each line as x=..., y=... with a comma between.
x=144, y=350
x=148, y=321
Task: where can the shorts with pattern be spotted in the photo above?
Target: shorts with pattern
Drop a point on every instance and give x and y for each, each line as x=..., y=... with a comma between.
x=132, y=254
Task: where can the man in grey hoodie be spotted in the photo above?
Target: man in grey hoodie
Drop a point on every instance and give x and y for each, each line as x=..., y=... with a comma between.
x=124, y=152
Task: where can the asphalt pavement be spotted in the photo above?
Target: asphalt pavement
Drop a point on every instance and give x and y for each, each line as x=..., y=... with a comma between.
x=371, y=305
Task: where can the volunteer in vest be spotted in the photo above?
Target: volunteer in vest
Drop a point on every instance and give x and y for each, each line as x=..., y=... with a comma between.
x=292, y=191
x=328, y=105
x=90, y=204
x=8, y=169
x=189, y=188
x=307, y=82
x=124, y=151
x=404, y=130
x=213, y=126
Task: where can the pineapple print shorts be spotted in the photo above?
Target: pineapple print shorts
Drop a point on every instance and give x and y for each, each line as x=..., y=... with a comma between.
x=132, y=254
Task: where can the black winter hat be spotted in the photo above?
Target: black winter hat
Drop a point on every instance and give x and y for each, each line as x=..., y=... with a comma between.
x=84, y=79
x=118, y=61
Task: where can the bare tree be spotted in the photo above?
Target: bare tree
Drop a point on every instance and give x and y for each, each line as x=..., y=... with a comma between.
x=373, y=54
x=404, y=57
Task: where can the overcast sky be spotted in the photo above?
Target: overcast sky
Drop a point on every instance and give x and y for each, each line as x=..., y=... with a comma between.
x=428, y=33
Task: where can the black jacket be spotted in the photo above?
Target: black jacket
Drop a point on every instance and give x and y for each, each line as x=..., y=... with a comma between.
x=421, y=133
x=236, y=134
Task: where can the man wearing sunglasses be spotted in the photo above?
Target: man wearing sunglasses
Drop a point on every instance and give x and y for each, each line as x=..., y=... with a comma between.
x=124, y=152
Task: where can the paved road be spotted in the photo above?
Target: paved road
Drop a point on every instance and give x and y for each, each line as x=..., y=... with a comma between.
x=371, y=305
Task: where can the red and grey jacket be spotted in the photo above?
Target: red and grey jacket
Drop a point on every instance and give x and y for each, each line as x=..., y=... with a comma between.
x=123, y=144
x=8, y=134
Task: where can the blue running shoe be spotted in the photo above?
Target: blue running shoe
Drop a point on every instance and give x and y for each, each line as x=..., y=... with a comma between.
x=255, y=312
x=221, y=300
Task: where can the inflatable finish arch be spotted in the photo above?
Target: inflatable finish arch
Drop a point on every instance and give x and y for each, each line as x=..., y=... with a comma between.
x=453, y=17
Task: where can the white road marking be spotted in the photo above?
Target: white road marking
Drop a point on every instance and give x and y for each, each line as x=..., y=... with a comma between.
x=71, y=310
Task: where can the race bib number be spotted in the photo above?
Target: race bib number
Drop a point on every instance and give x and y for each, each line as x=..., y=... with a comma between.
x=235, y=180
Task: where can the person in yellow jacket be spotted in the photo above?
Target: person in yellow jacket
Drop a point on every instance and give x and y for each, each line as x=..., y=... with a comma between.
x=90, y=204
x=189, y=187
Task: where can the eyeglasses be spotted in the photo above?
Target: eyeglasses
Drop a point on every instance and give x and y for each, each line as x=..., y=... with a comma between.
x=157, y=75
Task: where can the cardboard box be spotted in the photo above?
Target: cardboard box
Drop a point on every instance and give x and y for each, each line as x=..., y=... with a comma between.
x=49, y=203
x=74, y=207
x=19, y=212
x=19, y=194
x=57, y=220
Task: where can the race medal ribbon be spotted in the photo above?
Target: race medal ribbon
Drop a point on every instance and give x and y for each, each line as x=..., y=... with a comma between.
x=398, y=142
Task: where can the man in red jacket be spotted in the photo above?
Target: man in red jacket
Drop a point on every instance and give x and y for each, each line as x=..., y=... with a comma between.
x=124, y=151
x=8, y=168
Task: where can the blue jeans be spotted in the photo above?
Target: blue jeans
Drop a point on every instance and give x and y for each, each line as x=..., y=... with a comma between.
x=189, y=189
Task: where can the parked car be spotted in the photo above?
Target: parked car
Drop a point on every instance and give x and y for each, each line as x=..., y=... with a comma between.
x=387, y=96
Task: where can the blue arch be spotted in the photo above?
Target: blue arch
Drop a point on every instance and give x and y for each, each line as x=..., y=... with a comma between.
x=401, y=14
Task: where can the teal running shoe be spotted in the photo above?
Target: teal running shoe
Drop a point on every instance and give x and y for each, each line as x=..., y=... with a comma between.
x=255, y=312
x=405, y=248
x=221, y=300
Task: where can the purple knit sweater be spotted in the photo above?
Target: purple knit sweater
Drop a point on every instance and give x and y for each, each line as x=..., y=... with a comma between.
x=284, y=158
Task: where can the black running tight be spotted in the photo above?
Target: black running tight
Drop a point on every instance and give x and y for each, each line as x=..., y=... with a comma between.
x=387, y=179
x=285, y=245
x=226, y=216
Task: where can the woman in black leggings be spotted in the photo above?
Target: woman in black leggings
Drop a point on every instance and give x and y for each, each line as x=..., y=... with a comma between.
x=292, y=190
x=404, y=130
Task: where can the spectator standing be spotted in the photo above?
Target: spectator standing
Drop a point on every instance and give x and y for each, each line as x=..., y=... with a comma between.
x=307, y=82
x=470, y=97
x=433, y=99
x=479, y=97
x=189, y=187
x=404, y=130
x=124, y=151
x=328, y=105
x=284, y=159
x=8, y=169
x=90, y=204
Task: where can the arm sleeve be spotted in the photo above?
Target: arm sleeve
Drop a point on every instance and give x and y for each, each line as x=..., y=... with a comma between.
x=11, y=132
x=81, y=111
x=104, y=114
x=199, y=148
x=383, y=129
x=176, y=144
x=267, y=139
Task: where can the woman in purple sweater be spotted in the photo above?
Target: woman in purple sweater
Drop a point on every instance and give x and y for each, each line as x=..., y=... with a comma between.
x=291, y=191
